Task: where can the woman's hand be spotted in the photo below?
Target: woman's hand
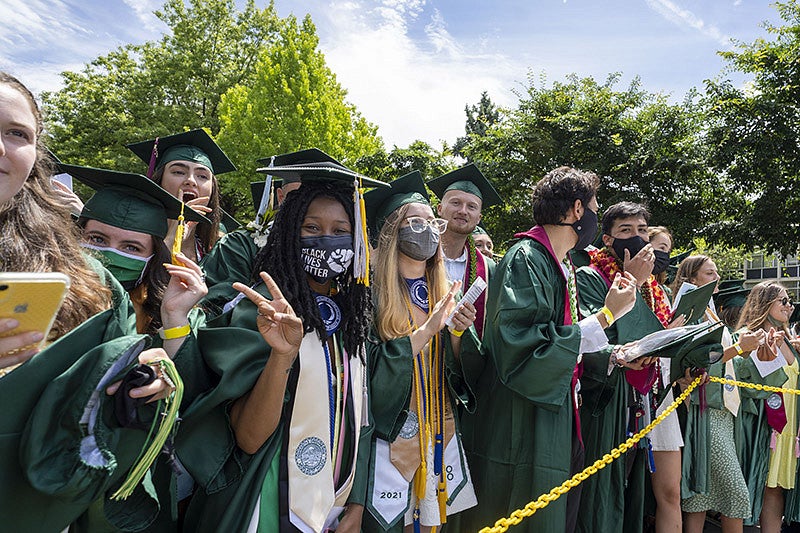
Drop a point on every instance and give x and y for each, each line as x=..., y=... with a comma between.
x=186, y=287
x=160, y=388
x=276, y=321
x=751, y=340
x=16, y=349
x=464, y=317
x=442, y=309
x=67, y=198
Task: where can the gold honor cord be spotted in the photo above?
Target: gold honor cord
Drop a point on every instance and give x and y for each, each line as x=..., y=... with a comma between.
x=757, y=386
x=544, y=500
x=176, y=246
x=165, y=423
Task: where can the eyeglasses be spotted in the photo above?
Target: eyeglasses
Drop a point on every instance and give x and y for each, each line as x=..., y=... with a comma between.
x=785, y=301
x=419, y=224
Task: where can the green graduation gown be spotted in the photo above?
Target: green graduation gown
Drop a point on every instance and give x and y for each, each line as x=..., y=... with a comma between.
x=519, y=440
x=230, y=260
x=610, y=501
x=391, y=370
x=228, y=481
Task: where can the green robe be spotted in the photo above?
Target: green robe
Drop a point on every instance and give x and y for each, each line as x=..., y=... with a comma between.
x=391, y=370
x=230, y=260
x=610, y=501
x=229, y=481
x=519, y=440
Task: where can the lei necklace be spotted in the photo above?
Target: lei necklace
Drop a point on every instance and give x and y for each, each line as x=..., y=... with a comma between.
x=652, y=293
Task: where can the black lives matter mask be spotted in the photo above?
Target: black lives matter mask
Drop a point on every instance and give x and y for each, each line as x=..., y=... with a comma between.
x=327, y=256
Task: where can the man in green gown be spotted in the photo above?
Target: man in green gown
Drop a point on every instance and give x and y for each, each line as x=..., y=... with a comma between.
x=524, y=438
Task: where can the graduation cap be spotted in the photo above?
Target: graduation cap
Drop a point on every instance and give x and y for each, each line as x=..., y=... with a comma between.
x=380, y=203
x=468, y=179
x=731, y=284
x=129, y=201
x=479, y=230
x=228, y=223
x=309, y=155
x=731, y=298
x=334, y=173
x=194, y=145
x=257, y=193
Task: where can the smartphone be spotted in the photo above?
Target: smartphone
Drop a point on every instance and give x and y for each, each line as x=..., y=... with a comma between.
x=33, y=299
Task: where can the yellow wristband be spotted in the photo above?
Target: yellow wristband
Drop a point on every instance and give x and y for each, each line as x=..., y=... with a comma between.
x=739, y=350
x=456, y=332
x=174, y=333
x=608, y=314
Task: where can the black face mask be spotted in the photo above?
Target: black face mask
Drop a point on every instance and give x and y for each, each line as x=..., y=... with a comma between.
x=326, y=256
x=633, y=244
x=661, y=263
x=585, y=228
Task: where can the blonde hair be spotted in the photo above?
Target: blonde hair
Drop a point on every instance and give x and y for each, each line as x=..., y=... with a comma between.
x=755, y=313
x=389, y=287
x=688, y=270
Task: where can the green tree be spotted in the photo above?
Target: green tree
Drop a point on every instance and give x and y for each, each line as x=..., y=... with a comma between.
x=419, y=155
x=753, y=138
x=643, y=148
x=293, y=102
x=141, y=91
x=480, y=117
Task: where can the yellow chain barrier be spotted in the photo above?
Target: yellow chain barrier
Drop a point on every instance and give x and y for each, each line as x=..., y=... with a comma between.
x=544, y=500
x=757, y=386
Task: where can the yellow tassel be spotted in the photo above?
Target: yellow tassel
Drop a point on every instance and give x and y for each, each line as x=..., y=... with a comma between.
x=420, y=478
x=363, y=210
x=442, y=495
x=176, y=246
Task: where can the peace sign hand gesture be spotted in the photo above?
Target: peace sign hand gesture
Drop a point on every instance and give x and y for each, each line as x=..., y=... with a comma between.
x=276, y=321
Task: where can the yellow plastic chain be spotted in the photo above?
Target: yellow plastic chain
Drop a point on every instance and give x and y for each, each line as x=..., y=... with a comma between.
x=544, y=500
x=756, y=386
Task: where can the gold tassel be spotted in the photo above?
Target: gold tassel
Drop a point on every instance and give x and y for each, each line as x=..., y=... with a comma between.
x=176, y=246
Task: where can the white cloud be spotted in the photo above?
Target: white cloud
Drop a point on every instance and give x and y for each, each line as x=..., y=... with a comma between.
x=144, y=12
x=412, y=84
x=33, y=23
x=683, y=17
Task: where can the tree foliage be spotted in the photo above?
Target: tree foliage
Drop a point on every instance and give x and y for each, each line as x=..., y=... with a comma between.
x=419, y=155
x=643, y=148
x=294, y=101
x=156, y=88
x=753, y=138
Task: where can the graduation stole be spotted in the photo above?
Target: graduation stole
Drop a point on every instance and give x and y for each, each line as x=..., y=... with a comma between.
x=538, y=234
x=476, y=268
x=652, y=293
x=316, y=433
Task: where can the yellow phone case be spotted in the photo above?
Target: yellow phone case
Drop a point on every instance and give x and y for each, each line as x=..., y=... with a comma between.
x=33, y=299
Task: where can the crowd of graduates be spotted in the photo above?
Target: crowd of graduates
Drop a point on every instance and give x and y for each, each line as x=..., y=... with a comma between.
x=332, y=366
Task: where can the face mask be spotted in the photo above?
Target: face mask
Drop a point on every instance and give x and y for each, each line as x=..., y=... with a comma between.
x=127, y=268
x=585, y=228
x=418, y=246
x=633, y=244
x=661, y=263
x=326, y=257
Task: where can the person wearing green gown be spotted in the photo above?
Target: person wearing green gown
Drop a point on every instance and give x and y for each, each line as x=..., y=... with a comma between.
x=774, y=460
x=713, y=478
x=233, y=256
x=525, y=438
x=187, y=166
x=281, y=441
x=463, y=194
x=483, y=242
x=615, y=400
x=418, y=473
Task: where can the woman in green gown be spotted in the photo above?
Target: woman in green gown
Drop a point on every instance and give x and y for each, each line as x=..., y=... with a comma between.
x=418, y=471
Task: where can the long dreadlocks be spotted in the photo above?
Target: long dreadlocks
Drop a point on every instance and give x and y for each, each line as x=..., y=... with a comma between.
x=280, y=258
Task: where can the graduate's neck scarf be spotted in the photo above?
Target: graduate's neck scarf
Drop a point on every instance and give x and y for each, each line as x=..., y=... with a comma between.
x=652, y=293
x=317, y=483
x=476, y=268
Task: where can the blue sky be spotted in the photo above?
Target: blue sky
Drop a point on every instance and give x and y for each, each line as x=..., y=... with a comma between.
x=410, y=66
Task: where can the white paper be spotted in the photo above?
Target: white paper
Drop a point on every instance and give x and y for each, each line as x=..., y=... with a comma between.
x=658, y=339
x=683, y=289
x=765, y=368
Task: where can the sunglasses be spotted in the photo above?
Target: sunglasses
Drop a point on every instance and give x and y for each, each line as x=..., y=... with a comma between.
x=785, y=301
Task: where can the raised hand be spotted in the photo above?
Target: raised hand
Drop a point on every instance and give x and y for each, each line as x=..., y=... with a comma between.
x=186, y=287
x=160, y=388
x=276, y=321
x=442, y=309
x=621, y=296
x=16, y=348
x=640, y=265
